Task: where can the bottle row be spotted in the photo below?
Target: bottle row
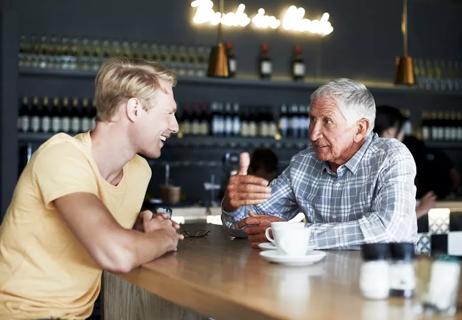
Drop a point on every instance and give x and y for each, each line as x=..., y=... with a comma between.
x=218, y=119
x=83, y=54
x=444, y=75
x=442, y=126
x=232, y=120
x=61, y=114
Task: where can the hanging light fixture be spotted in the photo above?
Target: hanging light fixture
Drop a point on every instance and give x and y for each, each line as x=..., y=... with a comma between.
x=404, y=64
x=218, y=60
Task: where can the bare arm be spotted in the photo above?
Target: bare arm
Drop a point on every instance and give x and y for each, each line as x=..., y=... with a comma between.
x=113, y=247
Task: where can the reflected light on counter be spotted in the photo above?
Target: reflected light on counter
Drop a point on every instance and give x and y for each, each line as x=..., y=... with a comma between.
x=263, y=21
x=294, y=20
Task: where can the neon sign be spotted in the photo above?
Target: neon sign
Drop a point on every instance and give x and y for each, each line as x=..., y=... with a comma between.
x=292, y=20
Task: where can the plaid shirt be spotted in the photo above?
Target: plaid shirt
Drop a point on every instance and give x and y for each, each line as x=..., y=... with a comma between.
x=371, y=198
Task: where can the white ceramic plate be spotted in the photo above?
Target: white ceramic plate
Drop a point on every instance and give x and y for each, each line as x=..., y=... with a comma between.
x=279, y=257
x=267, y=246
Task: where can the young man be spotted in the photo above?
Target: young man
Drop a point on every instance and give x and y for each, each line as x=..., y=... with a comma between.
x=353, y=187
x=77, y=200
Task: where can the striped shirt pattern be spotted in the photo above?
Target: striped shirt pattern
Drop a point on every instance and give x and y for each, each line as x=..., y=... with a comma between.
x=371, y=198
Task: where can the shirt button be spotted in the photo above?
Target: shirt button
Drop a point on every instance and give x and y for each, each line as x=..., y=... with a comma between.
x=334, y=216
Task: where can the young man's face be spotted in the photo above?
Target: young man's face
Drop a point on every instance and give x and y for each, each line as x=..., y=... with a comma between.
x=330, y=133
x=158, y=122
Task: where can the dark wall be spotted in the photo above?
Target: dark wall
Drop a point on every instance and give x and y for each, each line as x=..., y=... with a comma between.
x=8, y=99
x=364, y=43
x=365, y=40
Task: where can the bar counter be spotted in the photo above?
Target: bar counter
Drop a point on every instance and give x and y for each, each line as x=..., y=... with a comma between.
x=217, y=277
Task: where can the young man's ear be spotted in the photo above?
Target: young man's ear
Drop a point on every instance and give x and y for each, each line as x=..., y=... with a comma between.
x=361, y=131
x=132, y=109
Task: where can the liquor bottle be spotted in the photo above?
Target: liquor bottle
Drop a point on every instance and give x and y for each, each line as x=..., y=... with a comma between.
x=185, y=122
x=75, y=115
x=283, y=121
x=24, y=115
x=228, y=120
x=262, y=123
x=85, y=123
x=426, y=131
x=252, y=122
x=45, y=121
x=56, y=115
x=293, y=122
x=232, y=62
x=459, y=126
x=204, y=119
x=93, y=114
x=272, y=127
x=36, y=113
x=303, y=120
x=236, y=120
x=65, y=119
x=195, y=121
x=244, y=131
x=298, y=65
x=265, y=66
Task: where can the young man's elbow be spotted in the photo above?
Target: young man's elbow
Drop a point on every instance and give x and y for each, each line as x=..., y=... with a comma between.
x=118, y=263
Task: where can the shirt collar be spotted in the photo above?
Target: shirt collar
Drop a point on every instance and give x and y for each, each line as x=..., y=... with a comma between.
x=353, y=163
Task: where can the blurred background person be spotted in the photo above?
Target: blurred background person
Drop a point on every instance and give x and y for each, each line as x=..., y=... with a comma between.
x=264, y=163
x=436, y=175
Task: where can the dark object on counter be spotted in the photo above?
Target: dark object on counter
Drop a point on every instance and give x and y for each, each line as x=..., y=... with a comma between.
x=402, y=273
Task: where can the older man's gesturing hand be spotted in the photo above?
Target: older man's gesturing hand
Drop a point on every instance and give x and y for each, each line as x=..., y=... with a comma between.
x=255, y=226
x=245, y=189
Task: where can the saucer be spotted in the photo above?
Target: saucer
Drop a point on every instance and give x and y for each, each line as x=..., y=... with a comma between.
x=279, y=257
x=267, y=246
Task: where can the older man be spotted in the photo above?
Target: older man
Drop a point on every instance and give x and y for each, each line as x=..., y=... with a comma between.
x=352, y=186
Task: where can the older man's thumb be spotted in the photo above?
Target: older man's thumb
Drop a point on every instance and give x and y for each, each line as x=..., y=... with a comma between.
x=244, y=162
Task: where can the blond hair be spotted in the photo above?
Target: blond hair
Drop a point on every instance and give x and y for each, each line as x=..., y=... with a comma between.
x=120, y=79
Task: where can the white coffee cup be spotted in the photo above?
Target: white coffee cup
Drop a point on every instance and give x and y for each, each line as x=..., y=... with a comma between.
x=292, y=238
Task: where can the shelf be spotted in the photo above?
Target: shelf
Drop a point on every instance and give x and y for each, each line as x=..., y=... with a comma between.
x=201, y=142
x=444, y=144
x=248, y=80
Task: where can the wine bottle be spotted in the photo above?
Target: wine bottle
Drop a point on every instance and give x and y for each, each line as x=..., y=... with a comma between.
x=232, y=62
x=298, y=65
x=45, y=120
x=56, y=116
x=264, y=62
x=24, y=115
x=36, y=113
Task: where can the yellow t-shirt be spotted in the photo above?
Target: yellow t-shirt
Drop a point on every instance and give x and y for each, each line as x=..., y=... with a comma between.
x=44, y=270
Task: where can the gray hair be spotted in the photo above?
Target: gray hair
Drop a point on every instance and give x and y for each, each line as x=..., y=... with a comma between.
x=353, y=99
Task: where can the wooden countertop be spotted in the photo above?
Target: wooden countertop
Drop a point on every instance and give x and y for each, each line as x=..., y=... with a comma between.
x=226, y=279
x=454, y=205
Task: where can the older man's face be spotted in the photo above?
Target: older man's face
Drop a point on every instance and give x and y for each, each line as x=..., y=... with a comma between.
x=330, y=133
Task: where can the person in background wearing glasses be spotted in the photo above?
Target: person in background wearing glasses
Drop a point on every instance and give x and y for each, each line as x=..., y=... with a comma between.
x=76, y=202
x=352, y=186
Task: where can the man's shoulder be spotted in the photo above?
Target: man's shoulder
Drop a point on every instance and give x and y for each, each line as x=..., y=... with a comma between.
x=60, y=143
x=389, y=149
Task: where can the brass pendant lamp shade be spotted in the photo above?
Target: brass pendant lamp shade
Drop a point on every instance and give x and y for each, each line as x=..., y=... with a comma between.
x=404, y=65
x=218, y=59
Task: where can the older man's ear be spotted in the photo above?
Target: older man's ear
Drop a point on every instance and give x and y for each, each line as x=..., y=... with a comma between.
x=363, y=125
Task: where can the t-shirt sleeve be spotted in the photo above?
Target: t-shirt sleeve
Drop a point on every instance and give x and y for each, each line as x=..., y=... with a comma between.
x=63, y=169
